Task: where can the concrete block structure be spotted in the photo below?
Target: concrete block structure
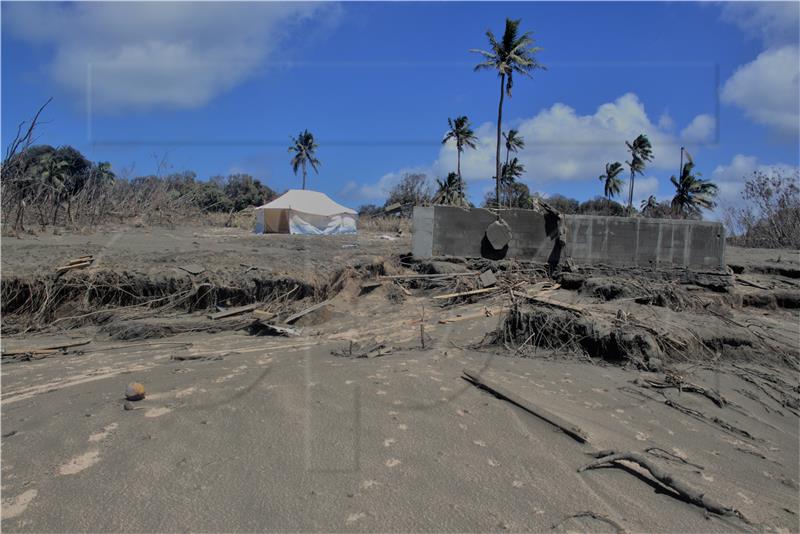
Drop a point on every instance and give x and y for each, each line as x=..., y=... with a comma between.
x=584, y=239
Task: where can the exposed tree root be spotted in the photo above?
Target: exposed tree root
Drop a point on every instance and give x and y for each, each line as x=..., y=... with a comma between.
x=683, y=489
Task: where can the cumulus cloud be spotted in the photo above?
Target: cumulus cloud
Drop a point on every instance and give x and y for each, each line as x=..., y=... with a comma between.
x=774, y=23
x=378, y=191
x=700, y=130
x=144, y=54
x=560, y=144
x=730, y=178
x=767, y=88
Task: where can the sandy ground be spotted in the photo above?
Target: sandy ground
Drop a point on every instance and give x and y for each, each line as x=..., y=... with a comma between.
x=262, y=433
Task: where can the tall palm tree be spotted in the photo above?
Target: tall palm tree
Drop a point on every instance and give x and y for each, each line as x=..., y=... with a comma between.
x=641, y=153
x=450, y=191
x=612, y=183
x=692, y=193
x=461, y=131
x=514, y=53
x=304, y=148
x=514, y=142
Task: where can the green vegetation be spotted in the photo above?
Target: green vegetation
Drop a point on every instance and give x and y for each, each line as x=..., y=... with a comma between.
x=692, y=193
x=462, y=133
x=641, y=152
x=612, y=183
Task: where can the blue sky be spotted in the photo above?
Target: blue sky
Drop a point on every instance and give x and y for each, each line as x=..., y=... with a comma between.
x=220, y=88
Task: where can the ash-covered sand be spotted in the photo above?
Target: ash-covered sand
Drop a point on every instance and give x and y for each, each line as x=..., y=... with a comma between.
x=263, y=433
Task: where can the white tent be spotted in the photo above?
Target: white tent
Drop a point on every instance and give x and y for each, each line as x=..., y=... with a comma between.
x=305, y=212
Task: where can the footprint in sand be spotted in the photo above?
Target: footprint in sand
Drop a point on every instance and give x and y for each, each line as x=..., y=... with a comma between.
x=389, y=442
x=157, y=412
x=103, y=434
x=17, y=505
x=79, y=463
x=392, y=462
x=352, y=518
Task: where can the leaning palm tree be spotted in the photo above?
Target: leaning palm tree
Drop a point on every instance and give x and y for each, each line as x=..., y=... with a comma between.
x=641, y=153
x=450, y=191
x=514, y=142
x=304, y=147
x=463, y=135
x=514, y=53
x=612, y=183
x=692, y=193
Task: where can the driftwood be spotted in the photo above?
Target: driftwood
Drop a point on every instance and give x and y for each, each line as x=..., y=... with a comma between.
x=499, y=391
x=425, y=276
x=466, y=293
x=486, y=312
x=233, y=311
x=69, y=267
x=682, y=488
x=46, y=349
x=296, y=316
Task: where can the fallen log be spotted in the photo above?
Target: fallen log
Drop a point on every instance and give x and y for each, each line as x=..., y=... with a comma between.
x=682, y=488
x=80, y=265
x=425, y=276
x=501, y=392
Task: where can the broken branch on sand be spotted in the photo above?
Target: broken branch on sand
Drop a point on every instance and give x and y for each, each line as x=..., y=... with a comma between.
x=466, y=293
x=682, y=488
x=592, y=515
x=499, y=391
x=44, y=349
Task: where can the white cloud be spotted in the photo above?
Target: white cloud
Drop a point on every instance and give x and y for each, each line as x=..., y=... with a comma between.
x=142, y=54
x=774, y=23
x=560, y=144
x=378, y=191
x=767, y=89
x=700, y=130
x=731, y=178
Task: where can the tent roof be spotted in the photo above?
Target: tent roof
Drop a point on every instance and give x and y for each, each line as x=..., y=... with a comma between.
x=306, y=201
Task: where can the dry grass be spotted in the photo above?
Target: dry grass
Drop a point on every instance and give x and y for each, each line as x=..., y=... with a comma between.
x=384, y=224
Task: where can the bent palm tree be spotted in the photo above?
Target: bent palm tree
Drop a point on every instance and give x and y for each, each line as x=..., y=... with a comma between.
x=510, y=173
x=641, y=153
x=450, y=192
x=514, y=53
x=304, y=148
x=612, y=183
x=461, y=131
x=692, y=193
x=514, y=142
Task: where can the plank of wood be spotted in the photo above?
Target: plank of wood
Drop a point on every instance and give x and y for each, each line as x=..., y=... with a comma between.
x=496, y=389
x=44, y=349
x=264, y=315
x=423, y=276
x=466, y=293
x=71, y=266
x=233, y=311
x=81, y=259
x=544, y=298
x=296, y=316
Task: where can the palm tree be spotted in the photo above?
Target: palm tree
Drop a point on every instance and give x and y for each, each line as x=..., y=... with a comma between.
x=641, y=153
x=451, y=191
x=692, y=193
x=461, y=131
x=612, y=184
x=510, y=173
x=649, y=205
x=514, y=53
x=303, y=148
x=514, y=142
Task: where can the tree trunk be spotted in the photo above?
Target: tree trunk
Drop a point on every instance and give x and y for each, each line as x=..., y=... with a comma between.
x=630, y=193
x=499, y=132
x=304, y=175
x=458, y=162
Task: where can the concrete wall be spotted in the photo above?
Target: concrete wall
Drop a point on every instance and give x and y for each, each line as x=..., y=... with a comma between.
x=614, y=241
